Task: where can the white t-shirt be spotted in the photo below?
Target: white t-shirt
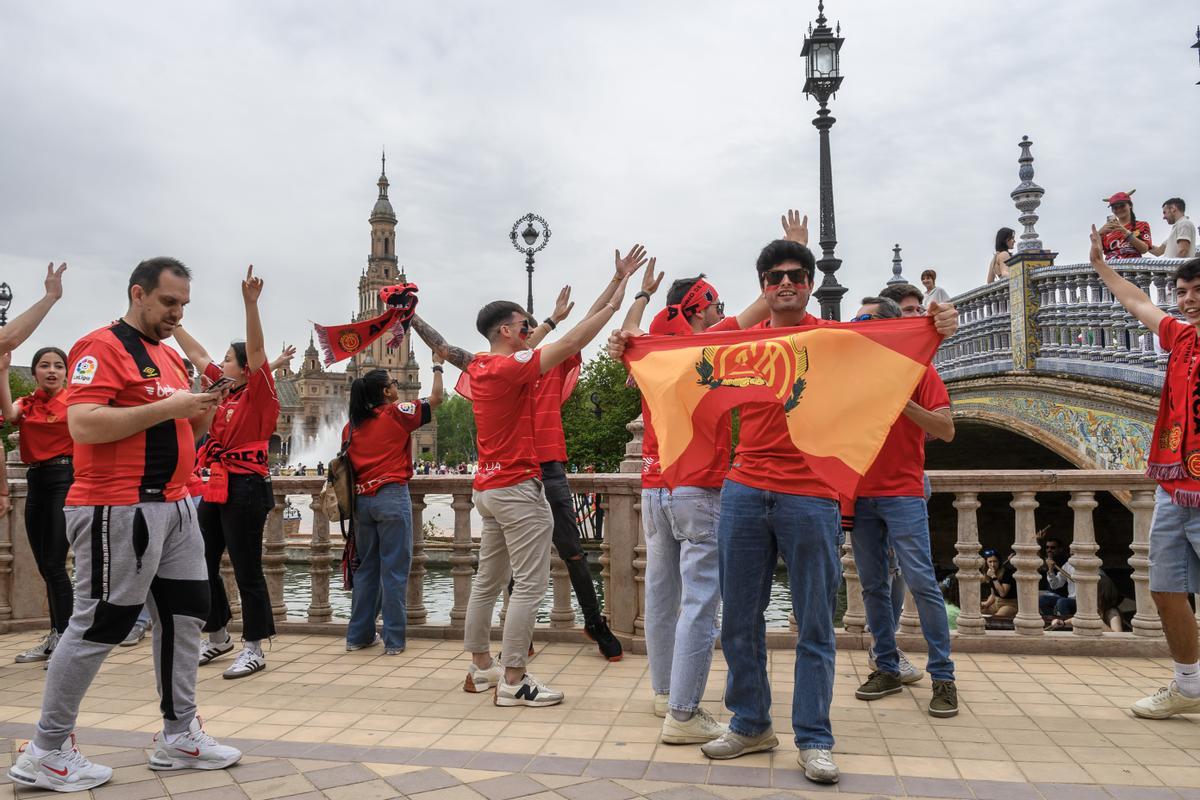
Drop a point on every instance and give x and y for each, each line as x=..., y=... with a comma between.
x=1184, y=229
x=937, y=295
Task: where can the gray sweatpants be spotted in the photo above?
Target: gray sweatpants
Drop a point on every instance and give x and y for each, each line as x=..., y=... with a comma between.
x=127, y=556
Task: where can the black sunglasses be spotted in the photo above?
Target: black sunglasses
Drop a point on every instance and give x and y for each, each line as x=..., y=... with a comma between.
x=720, y=304
x=774, y=277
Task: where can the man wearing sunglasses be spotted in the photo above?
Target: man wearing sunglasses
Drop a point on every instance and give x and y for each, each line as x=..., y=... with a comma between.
x=891, y=521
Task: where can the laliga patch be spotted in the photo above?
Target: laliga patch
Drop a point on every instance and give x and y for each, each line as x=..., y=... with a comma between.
x=524, y=357
x=85, y=371
x=408, y=408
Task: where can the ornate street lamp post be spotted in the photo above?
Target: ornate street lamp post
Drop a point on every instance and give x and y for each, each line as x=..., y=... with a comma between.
x=822, y=79
x=5, y=302
x=530, y=237
x=1196, y=46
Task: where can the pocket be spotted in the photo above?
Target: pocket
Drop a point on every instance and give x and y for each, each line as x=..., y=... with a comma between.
x=694, y=514
x=141, y=536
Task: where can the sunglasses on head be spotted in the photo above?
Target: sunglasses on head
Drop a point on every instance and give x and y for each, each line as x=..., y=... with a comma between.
x=774, y=277
x=989, y=553
x=865, y=317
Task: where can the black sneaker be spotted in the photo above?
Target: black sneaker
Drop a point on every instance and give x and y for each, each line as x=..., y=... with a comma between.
x=598, y=632
x=944, y=702
x=879, y=684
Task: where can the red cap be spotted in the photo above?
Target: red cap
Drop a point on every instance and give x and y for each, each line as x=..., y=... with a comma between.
x=1120, y=197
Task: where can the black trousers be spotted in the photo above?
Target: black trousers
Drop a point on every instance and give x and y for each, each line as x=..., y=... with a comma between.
x=567, y=540
x=47, y=530
x=237, y=526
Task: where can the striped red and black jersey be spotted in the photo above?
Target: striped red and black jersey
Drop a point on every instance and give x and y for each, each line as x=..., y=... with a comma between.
x=118, y=366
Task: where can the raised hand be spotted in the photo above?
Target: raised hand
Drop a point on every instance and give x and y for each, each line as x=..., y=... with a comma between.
x=5, y=361
x=945, y=317
x=631, y=263
x=436, y=358
x=252, y=286
x=563, y=305
x=54, y=280
x=795, y=228
x=1097, y=252
x=650, y=282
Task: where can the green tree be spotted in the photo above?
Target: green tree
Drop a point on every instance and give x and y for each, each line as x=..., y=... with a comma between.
x=20, y=386
x=455, y=430
x=600, y=441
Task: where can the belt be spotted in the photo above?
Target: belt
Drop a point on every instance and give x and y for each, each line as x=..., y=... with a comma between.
x=51, y=462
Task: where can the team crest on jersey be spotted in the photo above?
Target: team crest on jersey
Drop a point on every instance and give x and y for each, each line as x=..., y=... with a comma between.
x=149, y=372
x=85, y=371
x=524, y=357
x=229, y=414
x=408, y=408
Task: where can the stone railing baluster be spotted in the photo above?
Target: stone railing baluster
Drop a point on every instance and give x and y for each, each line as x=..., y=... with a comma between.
x=968, y=561
x=415, y=596
x=14, y=520
x=1145, y=621
x=1087, y=620
x=910, y=620
x=231, y=589
x=462, y=559
x=1028, y=621
x=274, y=557
x=562, y=614
x=855, y=618
x=319, y=609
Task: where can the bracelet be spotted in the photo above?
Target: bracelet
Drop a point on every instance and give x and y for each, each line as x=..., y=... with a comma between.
x=437, y=368
x=640, y=295
x=550, y=321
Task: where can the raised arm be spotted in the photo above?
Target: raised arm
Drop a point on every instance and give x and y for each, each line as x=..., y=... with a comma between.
x=578, y=337
x=437, y=343
x=194, y=351
x=650, y=283
x=795, y=228
x=284, y=358
x=17, y=331
x=10, y=411
x=436, y=393
x=562, y=309
x=624, y=266
x=1134, y=300
x=256, y=348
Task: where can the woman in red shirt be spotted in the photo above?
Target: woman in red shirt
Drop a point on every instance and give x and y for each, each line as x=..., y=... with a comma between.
x=238, y=495
x=46, y=447
x=380, y=453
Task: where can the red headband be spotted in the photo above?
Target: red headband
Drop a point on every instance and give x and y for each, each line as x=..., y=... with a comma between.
x=672, y=320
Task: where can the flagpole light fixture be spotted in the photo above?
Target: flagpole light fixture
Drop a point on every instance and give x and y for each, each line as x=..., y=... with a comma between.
x=535, y=236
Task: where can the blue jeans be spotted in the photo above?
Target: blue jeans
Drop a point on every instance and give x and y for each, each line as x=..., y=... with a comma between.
x=756, y=528
x=383, y=533
x=683, y=590
x=1053, y=604
x=901, y=523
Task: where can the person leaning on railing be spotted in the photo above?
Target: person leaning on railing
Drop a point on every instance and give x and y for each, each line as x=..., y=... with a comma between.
x=1006, y=239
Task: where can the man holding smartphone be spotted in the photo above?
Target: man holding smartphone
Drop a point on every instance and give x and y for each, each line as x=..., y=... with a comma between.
x=133, y=531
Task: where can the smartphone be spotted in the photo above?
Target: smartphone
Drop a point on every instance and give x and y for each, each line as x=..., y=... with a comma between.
x=222, y=383
x=1112, y=218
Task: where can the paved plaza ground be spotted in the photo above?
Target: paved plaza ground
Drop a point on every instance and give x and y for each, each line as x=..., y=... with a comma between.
x=324, y=723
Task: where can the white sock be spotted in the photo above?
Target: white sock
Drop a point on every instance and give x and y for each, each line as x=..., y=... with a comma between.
x=256, y=646
x=1187, y=678
x=170, y=738
x=682, y=716
x=36, y=751
x=219, y=636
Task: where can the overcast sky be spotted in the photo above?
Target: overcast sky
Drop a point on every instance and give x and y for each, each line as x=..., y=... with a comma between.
x=230, y=133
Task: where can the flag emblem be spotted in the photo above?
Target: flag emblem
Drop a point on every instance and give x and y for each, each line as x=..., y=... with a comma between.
x=777, y=364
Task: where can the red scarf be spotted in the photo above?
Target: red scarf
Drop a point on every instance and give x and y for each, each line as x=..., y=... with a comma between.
x=1175, y=448
x=673, y=320
x=339, y=342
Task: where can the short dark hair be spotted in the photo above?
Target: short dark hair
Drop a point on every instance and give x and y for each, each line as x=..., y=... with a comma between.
x=495, y=314
x=782, y=250
x=1052, y=537
x=239, y=353
x=1177, y=202
x=43, y=351
x=888, y=309
x=899, y=291
x=1002, y=237
x=680, y=288
x=146, y=274
x=928, y=274
x=1188, y=271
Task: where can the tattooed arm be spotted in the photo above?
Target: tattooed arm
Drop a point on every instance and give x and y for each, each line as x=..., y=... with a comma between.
x=455, y=355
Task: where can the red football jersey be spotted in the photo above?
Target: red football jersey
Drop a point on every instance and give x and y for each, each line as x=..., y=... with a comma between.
x=245, y=421
x=899, y=469
x=118, y=366
x=43, y=426
x=502, y=396
x=381, y=450
x=766, y=458
x=549, y=396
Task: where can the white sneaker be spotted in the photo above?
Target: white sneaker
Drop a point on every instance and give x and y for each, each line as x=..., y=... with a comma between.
x=661, y=706
x=699, y=729
x=909, y=672
x=483, y=680
x=136, y=634
x=210, y=649
x=247, y=663
x=40, y=651
x=818, y=766
x=529, y=692
x=59, y=770
x=192, y=750
x=1166, y=702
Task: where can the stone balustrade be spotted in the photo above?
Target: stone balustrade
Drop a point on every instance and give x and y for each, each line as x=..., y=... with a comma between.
x=623, y=558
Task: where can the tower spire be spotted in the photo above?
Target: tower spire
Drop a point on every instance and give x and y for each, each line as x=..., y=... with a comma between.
x=383, y=163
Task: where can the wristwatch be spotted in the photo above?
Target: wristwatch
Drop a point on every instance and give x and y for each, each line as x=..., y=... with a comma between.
x=640, y=295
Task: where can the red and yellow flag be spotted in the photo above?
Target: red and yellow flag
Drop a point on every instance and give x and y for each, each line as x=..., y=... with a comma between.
x=841, y=386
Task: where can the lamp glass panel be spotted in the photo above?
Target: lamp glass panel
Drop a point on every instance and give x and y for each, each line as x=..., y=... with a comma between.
x=825, y=61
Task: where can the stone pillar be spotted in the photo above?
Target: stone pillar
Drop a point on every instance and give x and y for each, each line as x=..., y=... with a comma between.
x=1023, y=301
x=461, y=560
x=855, y=618
x=417, y=615
x=562, y=614
x=1028, y=621
x=1146, y=621
x=622, y=534
x=968, y=561
x=273, y=556
x=1087, y=620
x=319, y=609
x=633, y=448
x=910, y=620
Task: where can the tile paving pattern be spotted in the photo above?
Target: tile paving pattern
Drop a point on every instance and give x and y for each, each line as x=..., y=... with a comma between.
x=322, y=723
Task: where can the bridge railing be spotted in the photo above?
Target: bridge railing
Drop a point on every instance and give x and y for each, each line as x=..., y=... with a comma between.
x=623, y=560
x=1078, y=327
